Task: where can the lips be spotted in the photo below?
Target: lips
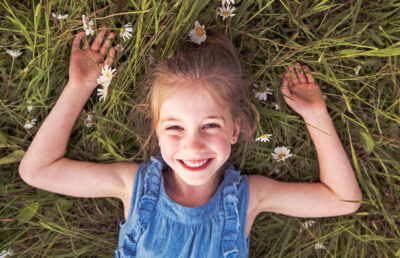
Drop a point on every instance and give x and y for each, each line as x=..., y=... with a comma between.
x=195, y=165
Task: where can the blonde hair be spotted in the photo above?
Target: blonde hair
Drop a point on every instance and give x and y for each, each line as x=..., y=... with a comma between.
x=215, y=64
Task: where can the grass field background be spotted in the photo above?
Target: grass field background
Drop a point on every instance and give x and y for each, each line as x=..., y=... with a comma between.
x=352, y=46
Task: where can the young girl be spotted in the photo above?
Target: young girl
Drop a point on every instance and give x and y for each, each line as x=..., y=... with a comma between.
x=188, y=200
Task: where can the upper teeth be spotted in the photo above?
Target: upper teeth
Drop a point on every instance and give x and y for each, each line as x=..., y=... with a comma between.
x=195, y=164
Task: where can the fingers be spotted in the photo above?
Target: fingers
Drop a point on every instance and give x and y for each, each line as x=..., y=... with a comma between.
x=77, y=40
x=293, y=72
x=307, y=73
x=289, y=79
x=99, y=39
x=106, y=44
x=285, y=88
x=111, y=57
x=299, y=74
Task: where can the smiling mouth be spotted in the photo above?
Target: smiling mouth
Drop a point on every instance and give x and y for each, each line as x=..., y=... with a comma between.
x=195, y=165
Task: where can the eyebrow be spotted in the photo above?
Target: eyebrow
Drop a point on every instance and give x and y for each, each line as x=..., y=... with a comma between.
x=172, y=119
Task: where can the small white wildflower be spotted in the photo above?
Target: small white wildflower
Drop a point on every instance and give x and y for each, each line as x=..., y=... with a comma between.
x=29, y=108
x=261, y=92
x=308, y=223
x=60, y=16
x=319, y=246
x=226, y=12
x=198, y=33
x=88, y=121
x=14, y=53
x=275, y=105
x=87, y=25
x=106, y=77
x=150, y=56
x=30, y=123
x=281, y=153
x=224, y=2
x=125, y=31
x=357, y=70
x=102, y=93
x=264, y=138
x=103, y=81
x=5, y=253
x=119, y=47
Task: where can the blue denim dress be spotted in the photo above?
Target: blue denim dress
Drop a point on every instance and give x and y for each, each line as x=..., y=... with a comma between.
x=159, y=227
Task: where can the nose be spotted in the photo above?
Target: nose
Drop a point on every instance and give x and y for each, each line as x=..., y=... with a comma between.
x=193, y=142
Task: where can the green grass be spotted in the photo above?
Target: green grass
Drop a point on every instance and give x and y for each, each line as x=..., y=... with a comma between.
x=331, y=37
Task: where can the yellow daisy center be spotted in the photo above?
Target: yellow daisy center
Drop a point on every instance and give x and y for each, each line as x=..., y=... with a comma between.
x=199, y=31
x=263, y=136
x=108, y=74
x=226, y=13
x=281, y=156
x=85, y=26
x=122, y=30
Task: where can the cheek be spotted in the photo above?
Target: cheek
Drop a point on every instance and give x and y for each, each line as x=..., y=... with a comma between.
x=221, y=142
x=168, y=144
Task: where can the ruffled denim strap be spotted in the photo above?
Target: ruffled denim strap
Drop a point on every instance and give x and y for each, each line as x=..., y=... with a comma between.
x=146, y=207
x=231, y=228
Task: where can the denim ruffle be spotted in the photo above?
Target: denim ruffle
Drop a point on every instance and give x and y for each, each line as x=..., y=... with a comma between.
x=149, y=199
x=146, y=208
x=231, y=228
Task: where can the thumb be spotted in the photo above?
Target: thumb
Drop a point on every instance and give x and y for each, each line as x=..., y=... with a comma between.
x=285, y=90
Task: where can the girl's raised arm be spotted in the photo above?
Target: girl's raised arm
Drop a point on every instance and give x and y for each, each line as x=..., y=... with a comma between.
x=338, y=186
x=44, y=165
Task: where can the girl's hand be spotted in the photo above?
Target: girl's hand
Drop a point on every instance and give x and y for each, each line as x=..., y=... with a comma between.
x=86, y=63
x=301, y=93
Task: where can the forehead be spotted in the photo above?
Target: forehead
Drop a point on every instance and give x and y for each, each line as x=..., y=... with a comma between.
x=193, y=102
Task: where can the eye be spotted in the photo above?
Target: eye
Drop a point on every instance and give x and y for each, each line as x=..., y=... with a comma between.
x=174, y=127
x=211, y=125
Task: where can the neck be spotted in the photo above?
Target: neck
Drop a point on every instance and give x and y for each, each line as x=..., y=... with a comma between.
x=190, y=196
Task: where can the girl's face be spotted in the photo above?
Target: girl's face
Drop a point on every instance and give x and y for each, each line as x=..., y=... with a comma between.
x=195, y=135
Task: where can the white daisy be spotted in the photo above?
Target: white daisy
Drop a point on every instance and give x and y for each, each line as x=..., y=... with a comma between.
x=102, y=93
x=87, y=26
x=125, y=31
x=60, y=16
x=106, y=77
x=261, y=92
x=5, y=253
x=119, y=47
x=14, y=53
x=89, y=120
x=226, y=12
x=264, y=138
x=308, y=223
x=281, y=153
x=198, y=33
x=30, y=123
x=275, y=105
x=319, y=246
x=29, y=108
x=357, y=70
x=224, y=2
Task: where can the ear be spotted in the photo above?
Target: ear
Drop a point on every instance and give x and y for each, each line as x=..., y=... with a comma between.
x=236, y=131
